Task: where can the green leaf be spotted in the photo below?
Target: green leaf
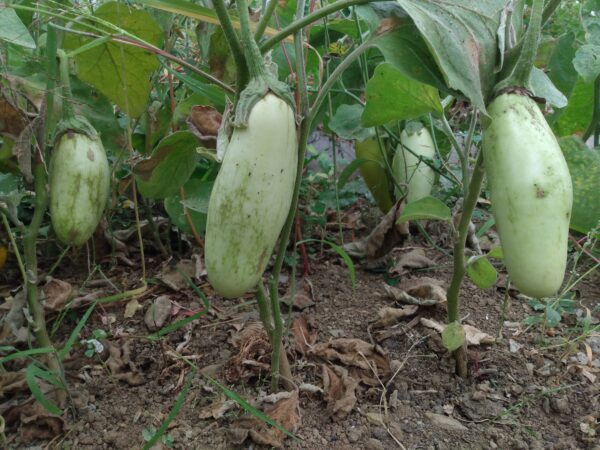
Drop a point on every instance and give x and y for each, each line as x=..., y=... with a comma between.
x=406, y=50
x=26, y=353
x=13, y=30
x=393, y=96
x=100, y=112
x=427, y=208
x=453, y=336
x=481, y=272
x=197, y=195
x=346, y=123
x=172, y=163
x=461, y=34
x=75, y=333
x=561, y=71
x=496, y=253
x=348, y=171
x=31, y=375
x=584, y=167
x=578, y=113
x=587, y=62
x=121, y=72
x=542, y=86
x=8, y=183
x=552, y=316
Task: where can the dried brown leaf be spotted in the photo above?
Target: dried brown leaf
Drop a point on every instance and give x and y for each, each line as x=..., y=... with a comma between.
x=371, y=361
x=303, y=296
x=339, y=390
x=204, y=123
x=422, y=294
x=254, y=356
x=171, y=276
x=473, y=335
x=414, y=259
x=56, y=294
x=158, y=313
x=389, y=316
x=386, y=235
x=304, y=330
x=131, y=308
x=284, y=408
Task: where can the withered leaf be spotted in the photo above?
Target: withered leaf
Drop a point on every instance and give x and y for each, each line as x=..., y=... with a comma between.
x=414, y=259
x=389, y=316
x=304, y=331
x=386, y=235
x=56, y=294
x=339, y=390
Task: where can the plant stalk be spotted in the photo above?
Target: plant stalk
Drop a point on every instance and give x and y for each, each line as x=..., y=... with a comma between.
x=460, y=355
x=300, y=23
x=264, y=20
x=234, y=45
x=595, y=122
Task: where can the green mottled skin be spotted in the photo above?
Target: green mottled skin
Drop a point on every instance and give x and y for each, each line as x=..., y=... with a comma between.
x=251, y=198
x=79, y=187
x=531, y=194
x=409, y=169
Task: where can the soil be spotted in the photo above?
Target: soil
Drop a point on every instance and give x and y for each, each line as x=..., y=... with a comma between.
x=534, y=388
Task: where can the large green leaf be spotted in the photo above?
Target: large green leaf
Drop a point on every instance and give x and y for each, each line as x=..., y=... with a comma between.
x=346, y=123
x=405, y=49
x=577, y=115
x=121, y=72
x=587, y=62
x=461, y=35
x=584, y=166
x=560, y=69
x=12, y=29
x=172, y=163
x=481, y=271
x=393, y=96
x=196, y=194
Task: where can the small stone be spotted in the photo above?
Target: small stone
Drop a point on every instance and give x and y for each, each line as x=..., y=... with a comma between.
x=529, y=368
x=513, y=346
x=158, y=313
x=374, y=444
x=479, y=396
x=493, y=444
x=354, y=434
x=515, y=389
x=559, y=405
x=379, y=433
x=446, y=423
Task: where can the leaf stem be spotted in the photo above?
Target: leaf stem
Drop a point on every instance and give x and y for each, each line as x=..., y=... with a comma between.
x=307, y=20
x=264, y=20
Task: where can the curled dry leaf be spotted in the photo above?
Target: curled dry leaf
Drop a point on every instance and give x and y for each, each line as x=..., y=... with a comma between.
x=217, y=408
x=56, y=294
x=368, y=362
x=424, y=294
x=283, y=408
x=304, y=330
x=171, y=276
x=339, y=390
x=32, y=420
x=158, y=313
x=414, y=259
x=474, y=336
x=254, y=356
x=303, y=297
x=131, y=308
x=386, y=235
x=204, y=123
x=389, y=316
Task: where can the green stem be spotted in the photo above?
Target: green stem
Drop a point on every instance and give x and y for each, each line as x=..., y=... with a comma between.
x=307, y=20
x=468, y=143
x=254, y=59
x=264, y=20
x=277, y=334
x=549, y=10
x=595, y=122
x=461, y=238
x=234, y=44
x=264, y=310
x=460, y=151
x=63, y=66
x=14, y=246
